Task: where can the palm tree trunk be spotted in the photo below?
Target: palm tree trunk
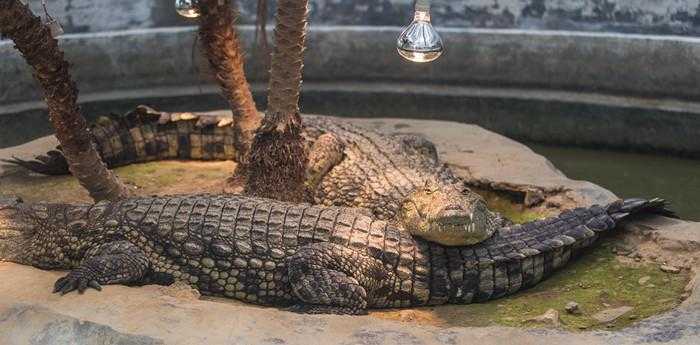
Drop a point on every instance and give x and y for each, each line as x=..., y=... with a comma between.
x=278, y=157
x=41, y=51
x=222, y=48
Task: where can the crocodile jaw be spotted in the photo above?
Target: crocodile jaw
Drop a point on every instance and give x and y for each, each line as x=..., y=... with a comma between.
x=444, y=215
x=451, y=234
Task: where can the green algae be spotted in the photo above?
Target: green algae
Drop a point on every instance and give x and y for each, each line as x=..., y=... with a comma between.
x=597, y=281
x=43, y=188
x=508, y=207
x=164, y=177
x=156, y=176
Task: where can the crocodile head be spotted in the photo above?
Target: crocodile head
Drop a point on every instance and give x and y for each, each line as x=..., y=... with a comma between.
x=447, y=215
x=38, y=235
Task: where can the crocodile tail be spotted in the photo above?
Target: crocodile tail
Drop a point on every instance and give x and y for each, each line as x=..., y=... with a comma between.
x=51, y=163
x=520, y=256
x=631, y=207
x=144, y=135
x=573, y=231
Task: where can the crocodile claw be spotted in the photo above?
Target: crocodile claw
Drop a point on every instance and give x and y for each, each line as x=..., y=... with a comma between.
x=59, y=284
x=73, y=282
x=95, y=285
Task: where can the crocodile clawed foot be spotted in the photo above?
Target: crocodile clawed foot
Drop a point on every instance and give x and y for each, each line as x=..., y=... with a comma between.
x=73, y=282
x=325, y=309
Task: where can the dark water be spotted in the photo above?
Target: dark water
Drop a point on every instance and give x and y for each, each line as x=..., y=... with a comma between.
x=633, y=175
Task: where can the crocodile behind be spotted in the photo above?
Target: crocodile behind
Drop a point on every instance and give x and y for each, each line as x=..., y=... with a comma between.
x=395, y=177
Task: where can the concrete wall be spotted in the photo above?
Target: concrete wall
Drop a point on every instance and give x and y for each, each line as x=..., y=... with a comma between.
x=678, y=17
x=592, y=88
x=632, y=65
x=588, y=89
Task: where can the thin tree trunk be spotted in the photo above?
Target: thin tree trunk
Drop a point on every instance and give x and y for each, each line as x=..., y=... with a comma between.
x=222, y=48
x=278, y=157
x=41, y=51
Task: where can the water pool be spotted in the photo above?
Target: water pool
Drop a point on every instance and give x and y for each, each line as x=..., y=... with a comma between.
x=633, y=174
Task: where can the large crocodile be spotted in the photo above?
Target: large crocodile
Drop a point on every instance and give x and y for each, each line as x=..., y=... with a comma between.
x=318, y=259
x=395, y=177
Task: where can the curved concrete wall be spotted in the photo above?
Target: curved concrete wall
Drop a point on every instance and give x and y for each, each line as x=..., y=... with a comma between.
x=678, y=17
x=632, y=65
x=623, y=91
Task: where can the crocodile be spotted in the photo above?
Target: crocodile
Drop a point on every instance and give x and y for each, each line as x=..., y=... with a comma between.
x=394, y=177
x=312, y=259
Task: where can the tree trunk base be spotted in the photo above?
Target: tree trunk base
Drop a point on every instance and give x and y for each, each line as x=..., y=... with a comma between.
x=235, y=184
x=277, y=166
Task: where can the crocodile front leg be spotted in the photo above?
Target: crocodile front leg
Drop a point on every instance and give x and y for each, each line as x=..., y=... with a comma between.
x=326, y=152
x=333, y=279
x=118, y=262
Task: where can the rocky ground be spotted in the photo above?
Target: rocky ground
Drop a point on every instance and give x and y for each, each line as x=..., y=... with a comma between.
x=642, y=271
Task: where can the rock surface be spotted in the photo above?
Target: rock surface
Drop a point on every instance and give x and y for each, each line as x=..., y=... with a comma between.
x=492, y=161
x=21, y=321
x=670, y=269
x=550, y=319
x=572, y=308
x=167, y=315
x=610, y=315
x=29, y=313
